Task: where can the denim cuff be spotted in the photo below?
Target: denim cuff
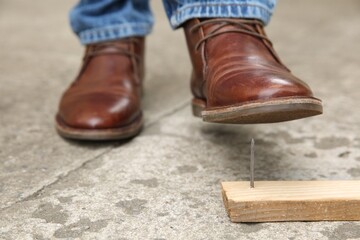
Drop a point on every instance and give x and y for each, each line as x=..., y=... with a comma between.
x=114, y=32
x=220, y=10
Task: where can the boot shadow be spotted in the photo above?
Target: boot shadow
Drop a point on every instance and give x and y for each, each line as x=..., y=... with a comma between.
x=234, y=146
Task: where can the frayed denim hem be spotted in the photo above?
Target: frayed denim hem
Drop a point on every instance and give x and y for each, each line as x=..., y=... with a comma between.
x=220, y=10
x=113, y=32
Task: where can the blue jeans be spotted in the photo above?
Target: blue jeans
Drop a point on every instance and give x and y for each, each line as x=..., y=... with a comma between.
x=104, y=20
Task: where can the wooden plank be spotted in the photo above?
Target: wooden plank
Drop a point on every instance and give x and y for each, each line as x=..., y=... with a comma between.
x=272, y=201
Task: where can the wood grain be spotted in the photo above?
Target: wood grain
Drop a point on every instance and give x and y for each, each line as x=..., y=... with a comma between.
x=272, y=201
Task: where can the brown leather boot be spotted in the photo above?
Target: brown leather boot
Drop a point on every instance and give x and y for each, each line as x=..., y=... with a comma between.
x=103, y=103
x=238, y=77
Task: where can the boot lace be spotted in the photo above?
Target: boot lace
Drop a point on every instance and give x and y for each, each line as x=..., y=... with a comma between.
x=251, y=27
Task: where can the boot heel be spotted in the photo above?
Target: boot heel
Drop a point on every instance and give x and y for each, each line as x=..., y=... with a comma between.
x=198, y=106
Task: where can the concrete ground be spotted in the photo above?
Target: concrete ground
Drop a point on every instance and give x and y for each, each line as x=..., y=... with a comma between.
x=165, y=184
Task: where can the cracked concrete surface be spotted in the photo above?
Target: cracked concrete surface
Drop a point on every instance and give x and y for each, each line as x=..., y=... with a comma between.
x=165, y=184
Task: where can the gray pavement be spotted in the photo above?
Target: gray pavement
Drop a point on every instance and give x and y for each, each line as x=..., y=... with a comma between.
x=165, y=184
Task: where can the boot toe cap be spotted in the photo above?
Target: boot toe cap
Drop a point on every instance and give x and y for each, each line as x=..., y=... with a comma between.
x=256, y=86
x=97, y=111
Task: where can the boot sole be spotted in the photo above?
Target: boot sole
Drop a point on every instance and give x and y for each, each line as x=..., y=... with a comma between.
x=120, y=133
x=264, y=111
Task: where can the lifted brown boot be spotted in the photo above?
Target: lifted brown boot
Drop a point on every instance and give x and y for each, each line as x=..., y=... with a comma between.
x=238, y=77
